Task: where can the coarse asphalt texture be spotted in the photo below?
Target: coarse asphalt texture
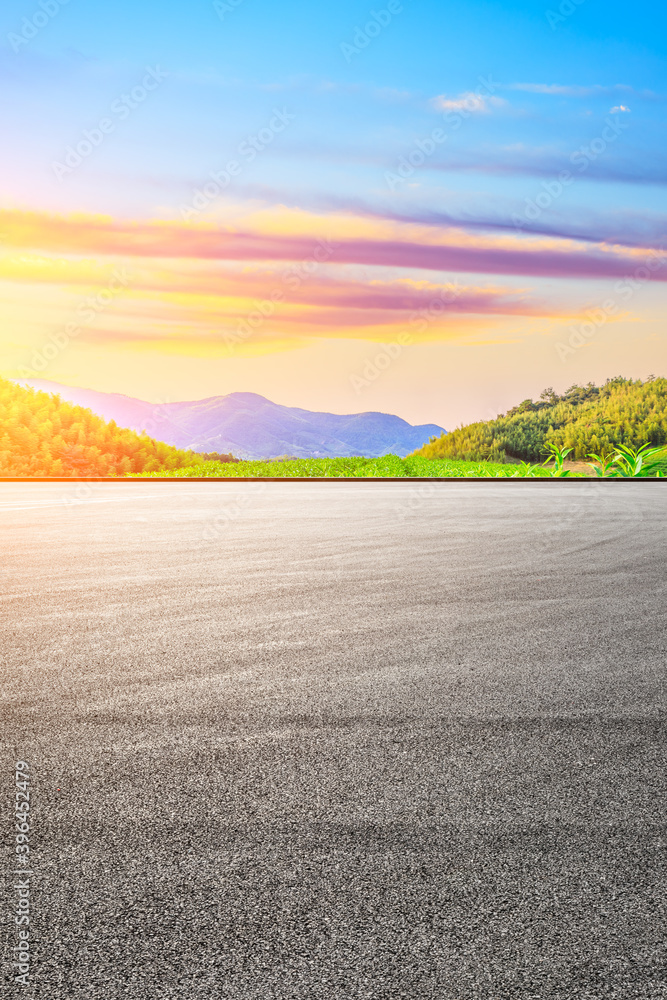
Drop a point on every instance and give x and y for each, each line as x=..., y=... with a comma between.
x=337, y=740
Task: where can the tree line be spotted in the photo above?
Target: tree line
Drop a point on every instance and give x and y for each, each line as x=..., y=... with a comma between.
x=40, y=435
x=590, y=419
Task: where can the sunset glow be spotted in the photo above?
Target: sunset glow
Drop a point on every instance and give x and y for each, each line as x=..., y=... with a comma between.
x=213, y=216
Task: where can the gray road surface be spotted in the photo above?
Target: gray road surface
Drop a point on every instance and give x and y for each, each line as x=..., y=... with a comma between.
x=338, y=740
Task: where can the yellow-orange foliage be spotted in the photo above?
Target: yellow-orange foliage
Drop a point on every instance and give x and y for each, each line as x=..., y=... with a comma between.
x=40, y=435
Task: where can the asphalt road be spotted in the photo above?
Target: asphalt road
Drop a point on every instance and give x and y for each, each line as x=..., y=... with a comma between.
x=338, y=740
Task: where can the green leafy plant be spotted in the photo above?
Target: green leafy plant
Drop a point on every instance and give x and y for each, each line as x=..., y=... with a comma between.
x=630, y=463
x=525, y=471
x=642, y=463
x=557, y=456
x=602, y=465
x=353, y=467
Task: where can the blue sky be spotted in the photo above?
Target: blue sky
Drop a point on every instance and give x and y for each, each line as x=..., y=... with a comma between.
x=520, y=91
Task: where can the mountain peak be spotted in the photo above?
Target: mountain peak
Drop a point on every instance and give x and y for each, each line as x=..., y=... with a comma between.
x=251, y=426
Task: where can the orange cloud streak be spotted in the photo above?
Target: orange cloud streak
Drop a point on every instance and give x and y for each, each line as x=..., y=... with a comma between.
x=82, y=234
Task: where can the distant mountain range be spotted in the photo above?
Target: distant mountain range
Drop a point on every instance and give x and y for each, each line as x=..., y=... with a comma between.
x=250, y=426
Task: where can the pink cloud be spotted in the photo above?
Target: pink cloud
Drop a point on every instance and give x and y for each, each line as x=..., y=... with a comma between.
x=100, y=236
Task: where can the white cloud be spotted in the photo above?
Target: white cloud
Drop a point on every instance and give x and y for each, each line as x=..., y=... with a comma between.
x=596, y=90
x=619, y=108
x=468, y=101
x=553, y=88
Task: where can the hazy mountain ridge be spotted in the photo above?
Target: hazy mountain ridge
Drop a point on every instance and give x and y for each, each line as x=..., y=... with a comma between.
x=251, y=426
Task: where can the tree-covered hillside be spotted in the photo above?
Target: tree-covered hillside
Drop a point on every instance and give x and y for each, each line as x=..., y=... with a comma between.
x=588, y=419
x=40, y=435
